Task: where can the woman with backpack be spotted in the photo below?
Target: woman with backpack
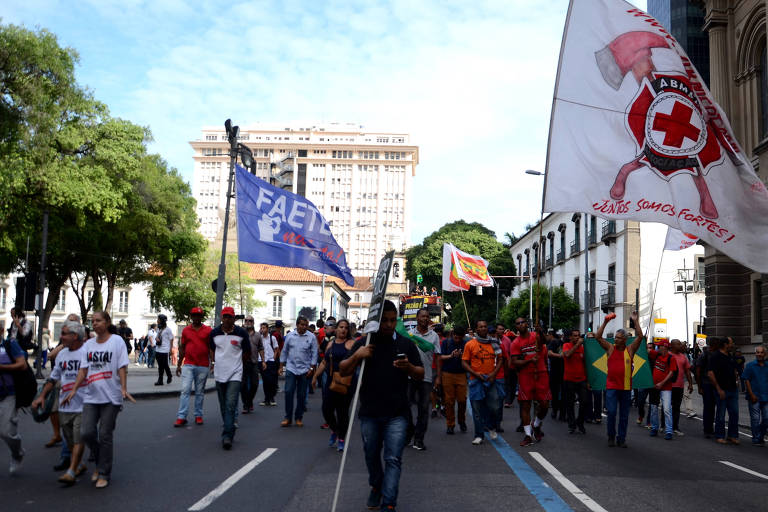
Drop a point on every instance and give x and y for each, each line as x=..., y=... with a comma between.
x=337, y=391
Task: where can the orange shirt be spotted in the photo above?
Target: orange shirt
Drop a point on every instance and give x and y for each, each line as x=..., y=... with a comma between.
x=480, y=357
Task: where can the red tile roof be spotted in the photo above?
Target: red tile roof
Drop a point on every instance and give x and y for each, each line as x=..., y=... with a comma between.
x=361, y=284
x=262, y=272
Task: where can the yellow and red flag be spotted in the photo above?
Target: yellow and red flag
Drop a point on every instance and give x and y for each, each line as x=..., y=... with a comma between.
x=462, y=270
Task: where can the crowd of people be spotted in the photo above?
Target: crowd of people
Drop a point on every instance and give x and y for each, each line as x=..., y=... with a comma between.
x=407, y=380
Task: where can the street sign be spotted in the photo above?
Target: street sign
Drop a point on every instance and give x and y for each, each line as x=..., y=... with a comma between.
x=215, y=285
x=375, y=309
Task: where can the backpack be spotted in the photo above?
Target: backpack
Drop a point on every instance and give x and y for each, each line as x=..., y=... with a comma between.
x=24, y=382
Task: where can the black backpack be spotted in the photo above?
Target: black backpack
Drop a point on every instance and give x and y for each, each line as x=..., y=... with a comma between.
x=24, y=382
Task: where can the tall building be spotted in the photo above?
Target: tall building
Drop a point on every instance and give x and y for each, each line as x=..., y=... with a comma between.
x=685, y=20
x=361, y=181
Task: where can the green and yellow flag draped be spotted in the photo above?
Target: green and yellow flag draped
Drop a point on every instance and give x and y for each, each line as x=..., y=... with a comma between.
x=596, y=360
x=420, y=342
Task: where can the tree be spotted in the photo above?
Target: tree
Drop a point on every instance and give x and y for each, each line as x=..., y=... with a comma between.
x=565, y=310
x=427, y=259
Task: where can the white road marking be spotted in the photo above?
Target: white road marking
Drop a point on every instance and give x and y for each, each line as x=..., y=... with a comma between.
x=569, y=486
x=232, y=480
x=742, y=468
x=726, y=424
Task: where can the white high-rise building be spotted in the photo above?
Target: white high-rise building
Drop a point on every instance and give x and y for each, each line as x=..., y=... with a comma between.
x=361, y=181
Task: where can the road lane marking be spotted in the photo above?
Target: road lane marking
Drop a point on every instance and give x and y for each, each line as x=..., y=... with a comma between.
x=740, y=432
x=232, y=480
x=742, y=468
x=570, y=486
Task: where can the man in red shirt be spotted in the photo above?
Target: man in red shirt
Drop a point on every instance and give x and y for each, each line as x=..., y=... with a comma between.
x=664, y=376
x=575, y=379
x=193, y=355
x=529, y=353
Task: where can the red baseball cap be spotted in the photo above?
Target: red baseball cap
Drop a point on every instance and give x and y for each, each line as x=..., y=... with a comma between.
x=228, y=311
x=196, y=311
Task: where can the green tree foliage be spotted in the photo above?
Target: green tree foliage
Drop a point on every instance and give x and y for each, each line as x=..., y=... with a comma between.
x=427, y=259
x=565, y=310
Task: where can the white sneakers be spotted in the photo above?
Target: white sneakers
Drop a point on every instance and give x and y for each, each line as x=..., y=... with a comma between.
x=477, y=440
x=493, y=434
x=16, y=463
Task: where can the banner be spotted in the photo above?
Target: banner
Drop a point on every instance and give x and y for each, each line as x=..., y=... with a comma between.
x=596, y=360
x=677, y=240
x=462, y=270
x=659, y=330
x=635, y=134
x=701, y=340
x=379, y=293
x=281, y=228
x=412, y=307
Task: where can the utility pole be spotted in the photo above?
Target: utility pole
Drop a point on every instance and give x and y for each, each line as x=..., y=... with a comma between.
x=232, y=133
x=684, y=284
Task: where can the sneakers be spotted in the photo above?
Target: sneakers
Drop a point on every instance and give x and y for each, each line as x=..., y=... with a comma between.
x=654, y=432
x=374, y=499
x=180, y=422
x=226, y=443
x=324, y=426
x=463, y=427
x=285, y=423
x=159, y=383
x=419, y=445
x=299, y=423
x=273, y=403
x=527, y=441
x=493, y=435
x=478, y=440
x=340, y=445
x=198, y=420
x=262, y=404
x=167, y=381
x=640, y=420
x=538, y=433
x=571, y=430
x=449, y=431
x=15, y=465
x=668, y=437
x=332, y=440
x=678, y=433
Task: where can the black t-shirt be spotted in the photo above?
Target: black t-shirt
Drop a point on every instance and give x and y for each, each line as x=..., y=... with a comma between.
x=384, y=391
x=724, y=369
x=556, y=364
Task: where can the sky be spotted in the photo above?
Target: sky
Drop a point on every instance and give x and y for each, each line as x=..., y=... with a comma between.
x=471, y=82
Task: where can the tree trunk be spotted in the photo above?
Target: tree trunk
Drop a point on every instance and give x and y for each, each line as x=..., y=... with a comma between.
x=111, y=280
x=54, y=290
x=79, y=285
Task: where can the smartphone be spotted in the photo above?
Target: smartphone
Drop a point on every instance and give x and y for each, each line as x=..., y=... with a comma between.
x=401, y=356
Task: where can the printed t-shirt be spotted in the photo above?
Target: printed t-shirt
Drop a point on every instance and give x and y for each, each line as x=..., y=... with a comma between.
x=574, y=365
x=196, y=343
x=525, y=345
x=103, y=360
x=662, y=366
x=683, y=364
x=480, y=356
x=228, y=353
x=619, y=370
x=65, y=370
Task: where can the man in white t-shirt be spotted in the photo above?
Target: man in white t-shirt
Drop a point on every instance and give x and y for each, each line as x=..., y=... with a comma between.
x=65, y=369
x=151, y=337
x=271, y=356
x=163, y=344
x=419, y=391
x=229, y=345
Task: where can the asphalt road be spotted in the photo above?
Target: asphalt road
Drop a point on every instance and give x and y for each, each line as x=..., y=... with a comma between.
x=158, y=467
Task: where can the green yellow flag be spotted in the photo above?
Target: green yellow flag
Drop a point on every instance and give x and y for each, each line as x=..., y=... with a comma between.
x=420, y=342
x=596, y=360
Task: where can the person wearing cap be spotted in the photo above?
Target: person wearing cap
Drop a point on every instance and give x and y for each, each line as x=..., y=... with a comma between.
x=297, y=360
x=664, y=375
x=163, y=342
x=229, y=344
x=193, y=366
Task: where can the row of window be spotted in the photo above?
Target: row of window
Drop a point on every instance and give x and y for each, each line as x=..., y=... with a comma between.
x=61, y=304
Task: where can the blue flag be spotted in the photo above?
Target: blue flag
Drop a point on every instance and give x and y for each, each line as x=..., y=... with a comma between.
x=281, y=228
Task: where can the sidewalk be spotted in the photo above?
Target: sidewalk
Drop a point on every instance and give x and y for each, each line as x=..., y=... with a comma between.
x=698, y=406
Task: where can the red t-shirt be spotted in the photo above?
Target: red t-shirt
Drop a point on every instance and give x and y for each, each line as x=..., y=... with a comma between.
x=574, y=365
x=525, y=345
x=619, y=370
x=196, y=343
x=662, y=366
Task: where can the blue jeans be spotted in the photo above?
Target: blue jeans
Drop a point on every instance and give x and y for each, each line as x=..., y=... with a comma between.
x=189, y=375
x=142, y=357
x=758, y=420
x=228, y=394
x=389, y=433
x=621, y=400
x=295, y=384
x=709, y=396
x=731, y=404
x=150, y=357
x=485, y=404
x=665, y=397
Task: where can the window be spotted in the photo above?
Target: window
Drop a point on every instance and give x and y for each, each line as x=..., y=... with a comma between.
x=277, y=306
x=122, y=305
x=357, y=297
x=700, y=273
x=3, y=297
x=576, y=290
x=757, y=306
x=61, y=304
x=592, y=280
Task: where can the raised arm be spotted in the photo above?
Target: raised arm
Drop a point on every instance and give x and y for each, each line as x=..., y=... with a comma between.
x=638, y=333
x=599, y=334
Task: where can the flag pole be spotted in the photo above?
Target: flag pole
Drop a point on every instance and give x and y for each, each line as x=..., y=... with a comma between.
x=465, y=309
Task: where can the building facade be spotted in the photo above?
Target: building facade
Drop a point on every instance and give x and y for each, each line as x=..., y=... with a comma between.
x=360, y=181
x=608, y=266
x=737, y=297
x=685, y=20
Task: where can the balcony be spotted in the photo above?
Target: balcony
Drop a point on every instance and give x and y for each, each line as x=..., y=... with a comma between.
x=560, y=256
x=575, y=247
x=592, y=238
x=608, y=298
x=549, y=262
x=609, y=232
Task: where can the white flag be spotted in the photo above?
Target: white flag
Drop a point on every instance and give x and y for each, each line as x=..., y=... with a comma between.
x=462, y=270
x=635, y=134
x=677, y=240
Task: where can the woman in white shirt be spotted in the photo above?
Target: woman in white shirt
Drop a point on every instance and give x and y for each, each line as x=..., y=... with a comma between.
x=105, y=375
